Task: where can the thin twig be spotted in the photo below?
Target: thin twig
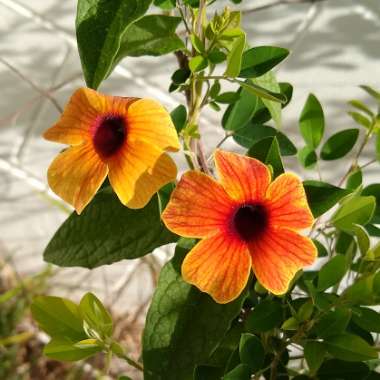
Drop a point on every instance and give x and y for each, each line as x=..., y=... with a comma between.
x=30, y=103
x=32, y=84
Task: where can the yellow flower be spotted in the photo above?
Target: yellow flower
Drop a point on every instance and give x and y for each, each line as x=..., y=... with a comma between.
x=124, y=138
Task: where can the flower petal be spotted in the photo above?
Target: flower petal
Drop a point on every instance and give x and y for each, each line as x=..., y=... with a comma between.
x=287, y=203
x=278, y=255
x=219, y=266
x=149, y=120
x=138, y=164
x=163, y=172
x=198, y=206
x=74, y=125
x=245, y=179
x=76, y=175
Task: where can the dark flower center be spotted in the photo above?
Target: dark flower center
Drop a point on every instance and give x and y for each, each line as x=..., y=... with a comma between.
x=109, y=135
x=250, y=221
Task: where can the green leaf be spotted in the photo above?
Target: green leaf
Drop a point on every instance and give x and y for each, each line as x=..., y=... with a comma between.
x=180, y=76
x=335, y=369
x=332, y=323
x=376, y=284
x=165, y=4
x=227, y=97
x=267, y=151
x=58, y=317
x=291, y=324
x=241, y=112
x=251, y=352
x=350, y=347
x=215, y=90
x=107, y=232
x=361, y=107
x=215, y=106
x=265, y=316
x=252, y=133
x=322, y=196
x=307, y=157
x=234, y=57
x=322, y=251
x=369, y=90
x=95, y=315
x=261, y=59
x=100, y=27
x=354, y=180
x=183, y=327
x=344, y=243
x=360, y=292
x=197, y=44
x=198, y=63
x=367, y=319
x=305, y=311
x=287, y=90
x=241, y=372
x=179, y=117
x=360, y=119
x=373, y=230
x=332, y=272
x=269, y=82
x=374, y=189
x=314, y=354
x=64, y=349
x=216, y=56
x=355, y=210
x=362, y=238
x=339, y=144
x=151, y=35
x=261, y=92
x=377, y=147
x=204, y=372
x=312, y=122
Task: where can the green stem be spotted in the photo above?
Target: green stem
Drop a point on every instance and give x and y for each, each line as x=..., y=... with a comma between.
x=354, y=164
x=221, y=142
x=133, y=363
x=108, y=363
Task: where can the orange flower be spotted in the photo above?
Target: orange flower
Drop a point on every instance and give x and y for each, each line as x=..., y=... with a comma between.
x=124, y=138
x=244, y=221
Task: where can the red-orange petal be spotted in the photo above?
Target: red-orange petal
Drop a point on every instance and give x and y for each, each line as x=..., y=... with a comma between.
x=278, y=255
x=287, y=203
x=137, y=172
x=198, y=206
x=245, y=179
x=76, y=175
x=218, y=265
x=149, y=120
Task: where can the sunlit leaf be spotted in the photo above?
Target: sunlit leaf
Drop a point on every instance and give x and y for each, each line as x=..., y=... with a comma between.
x=312, y=122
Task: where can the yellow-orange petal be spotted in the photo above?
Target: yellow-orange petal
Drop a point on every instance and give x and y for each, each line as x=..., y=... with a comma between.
x=218, y=265
x=134, y=167
x=245, y=179
x=149, y=120
x=287, y=203
x=74, y=125
x=198, y=206
x=163, y=172
x=76, y=175
x=278, y=255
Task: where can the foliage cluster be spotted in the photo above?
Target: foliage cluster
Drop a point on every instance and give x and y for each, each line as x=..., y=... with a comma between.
x=325, y=326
